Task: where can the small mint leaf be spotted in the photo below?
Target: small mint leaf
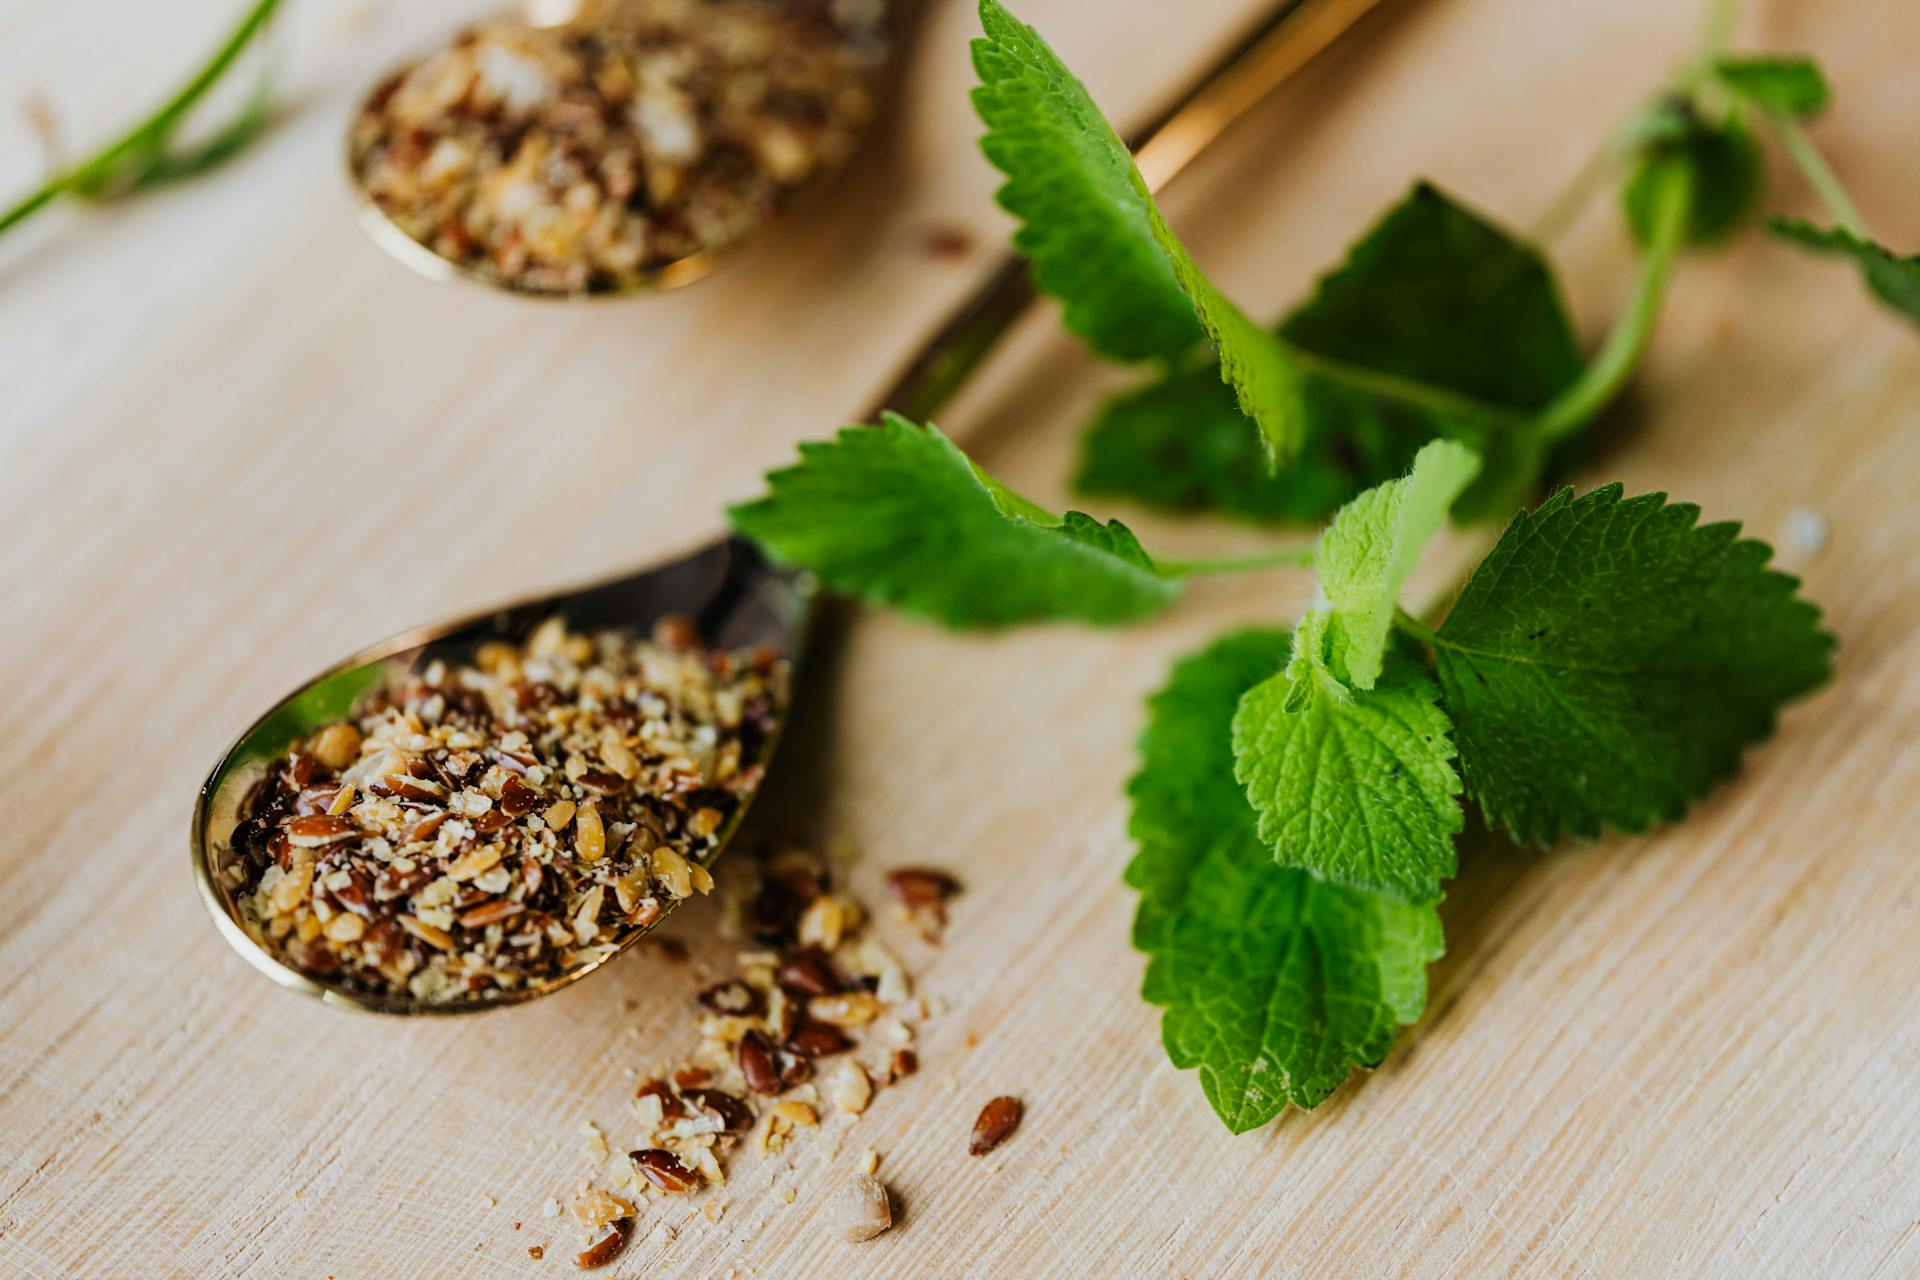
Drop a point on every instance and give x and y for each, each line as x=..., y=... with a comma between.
x=1358, y=789
x=1727, y=176
x=1793, y=86
x=1371, y=547
x=1894, y=279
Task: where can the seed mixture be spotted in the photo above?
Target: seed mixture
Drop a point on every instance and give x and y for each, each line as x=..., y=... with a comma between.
x=476, y=828
x=816, y=1019
x=593, y=156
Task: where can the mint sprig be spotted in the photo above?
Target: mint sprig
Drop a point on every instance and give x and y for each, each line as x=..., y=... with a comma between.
x=1299, y=797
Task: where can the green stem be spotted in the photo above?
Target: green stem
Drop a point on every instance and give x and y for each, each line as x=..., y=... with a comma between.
x=96, y=175
x=1721, y=16
x=1407, y=624
x=1408, y=391
x=32, y=204
x=1281, y=557
x=1820, y=176
x=1602, y=379
x=1598, y=170
x=1611, y=154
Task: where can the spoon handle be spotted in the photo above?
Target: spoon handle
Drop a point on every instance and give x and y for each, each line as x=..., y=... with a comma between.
x=1276, y=47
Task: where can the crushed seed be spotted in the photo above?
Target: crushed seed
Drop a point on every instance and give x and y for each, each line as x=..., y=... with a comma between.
x=606, y=1247
x=921, y=895
x=594, y=156
x=862, y=1210
x=444, y=879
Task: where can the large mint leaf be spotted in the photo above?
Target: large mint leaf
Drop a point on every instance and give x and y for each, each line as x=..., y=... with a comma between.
x=1434, y=298
x=1084, y=217
x=1607, y=662
x=1436, y=294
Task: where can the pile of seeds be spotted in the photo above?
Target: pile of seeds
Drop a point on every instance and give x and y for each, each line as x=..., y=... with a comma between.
x=593, y=156
x=778, y=1052
x=477, y=828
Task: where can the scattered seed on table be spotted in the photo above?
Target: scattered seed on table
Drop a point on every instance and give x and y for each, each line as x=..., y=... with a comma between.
x=862, y=1210
x=998, y=1119
x=663, y=1169
x=607, y=1247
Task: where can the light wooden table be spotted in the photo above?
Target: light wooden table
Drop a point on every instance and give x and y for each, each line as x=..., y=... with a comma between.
x=235, y=442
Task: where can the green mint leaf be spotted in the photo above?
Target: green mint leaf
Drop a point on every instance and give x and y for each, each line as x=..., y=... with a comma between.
x=1084, y=214
x=1894, y=279
x=897, y=515
x=1793, y=86
x=1261, y=371
x=1435, y=303
x=1727, y=176
x=1438, y=295
x=1372, y=546
x=1180, y=442
x=1609, y=659
x=1095, y=238
x=1276, y=984
x=1358, y=789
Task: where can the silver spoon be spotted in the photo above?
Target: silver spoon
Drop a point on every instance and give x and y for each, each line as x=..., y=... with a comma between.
x=670, y=185
x=734, y=596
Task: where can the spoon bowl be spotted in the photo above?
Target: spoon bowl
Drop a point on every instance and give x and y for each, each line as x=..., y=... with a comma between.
x=735, y=599
x=572, y=166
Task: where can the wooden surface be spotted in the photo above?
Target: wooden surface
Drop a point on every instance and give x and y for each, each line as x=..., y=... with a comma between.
x=236, y=442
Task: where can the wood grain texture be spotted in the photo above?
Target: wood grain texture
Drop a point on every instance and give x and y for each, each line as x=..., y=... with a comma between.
x=236, y=442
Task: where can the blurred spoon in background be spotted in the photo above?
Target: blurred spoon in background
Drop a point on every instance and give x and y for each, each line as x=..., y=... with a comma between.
x=596, y=147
